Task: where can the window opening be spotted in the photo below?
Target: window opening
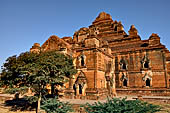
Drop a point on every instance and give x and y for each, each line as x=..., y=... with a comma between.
x=145, y=45
x=146, y=65
x=115, y=29
x=147, y=82
x=82, y=61
x=125, y=82
x=124, y=66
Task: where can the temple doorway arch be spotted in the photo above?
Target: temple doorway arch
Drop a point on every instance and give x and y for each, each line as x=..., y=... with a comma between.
x=80, y=85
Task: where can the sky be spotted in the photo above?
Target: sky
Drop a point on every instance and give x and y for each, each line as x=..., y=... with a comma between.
x=25, y=22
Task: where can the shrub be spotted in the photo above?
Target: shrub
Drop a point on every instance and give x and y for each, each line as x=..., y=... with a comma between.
x=53, y=105
x=116, y=105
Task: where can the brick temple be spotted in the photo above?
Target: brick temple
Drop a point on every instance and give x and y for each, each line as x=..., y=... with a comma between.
x=110, y=61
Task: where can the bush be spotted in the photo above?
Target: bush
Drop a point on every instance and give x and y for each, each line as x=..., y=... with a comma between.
x=53, y=105
x=116, y=105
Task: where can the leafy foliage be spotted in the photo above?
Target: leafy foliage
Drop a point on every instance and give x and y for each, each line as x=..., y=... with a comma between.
x=21, y=90
x=31, y=99
x=13, y=70
x=53, y=105
x=116, y=105
x=36, y=71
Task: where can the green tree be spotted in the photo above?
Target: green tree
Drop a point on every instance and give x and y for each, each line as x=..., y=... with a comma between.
x=37, y=70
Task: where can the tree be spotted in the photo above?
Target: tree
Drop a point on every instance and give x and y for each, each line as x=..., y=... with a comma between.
x=37, y=70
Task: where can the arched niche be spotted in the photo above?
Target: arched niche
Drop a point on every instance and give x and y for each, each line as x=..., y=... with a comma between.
x=124, y=80
x=125, y=83
x=80, y=85
x=148, y=84
x=147, y=79
x=123, y=64
x=82, y=60
x=145, y=62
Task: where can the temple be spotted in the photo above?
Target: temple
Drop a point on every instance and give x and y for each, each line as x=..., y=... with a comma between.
x=110, y=61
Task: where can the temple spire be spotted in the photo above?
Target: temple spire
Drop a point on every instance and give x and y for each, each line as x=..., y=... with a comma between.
x=133, y=31
x=102, y=16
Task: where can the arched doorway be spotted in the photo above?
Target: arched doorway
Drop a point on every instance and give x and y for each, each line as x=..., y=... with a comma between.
x=125, y=82
x=77, y=87
x=148, y=82
x=80, y=85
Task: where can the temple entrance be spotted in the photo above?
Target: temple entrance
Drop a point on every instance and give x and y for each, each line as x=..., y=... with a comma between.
x=78, y=88
x=125, y=82
x=80, y=85
x=148, y=82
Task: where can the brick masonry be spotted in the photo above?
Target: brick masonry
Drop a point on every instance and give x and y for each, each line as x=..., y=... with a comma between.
x=109, y=59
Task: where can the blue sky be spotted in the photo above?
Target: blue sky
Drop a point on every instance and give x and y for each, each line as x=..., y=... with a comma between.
x=24, y=22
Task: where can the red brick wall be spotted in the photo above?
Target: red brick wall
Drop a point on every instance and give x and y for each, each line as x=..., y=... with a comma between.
x=101, y=81
x=90, y=78
x=134, y=71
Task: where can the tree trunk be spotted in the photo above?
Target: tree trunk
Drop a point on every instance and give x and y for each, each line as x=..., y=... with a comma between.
x=39, y=103
x=52, y=90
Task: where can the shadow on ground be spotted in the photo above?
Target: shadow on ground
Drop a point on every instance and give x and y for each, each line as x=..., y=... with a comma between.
x=20, y=104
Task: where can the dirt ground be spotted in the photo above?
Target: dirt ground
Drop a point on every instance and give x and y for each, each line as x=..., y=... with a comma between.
x=7, y=109
x=165, y=106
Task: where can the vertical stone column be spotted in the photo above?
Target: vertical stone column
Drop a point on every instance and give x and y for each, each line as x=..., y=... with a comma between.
x=108, y=84
x=77, y=90
x=71, y=83
x=84, y=90
x=70, y=89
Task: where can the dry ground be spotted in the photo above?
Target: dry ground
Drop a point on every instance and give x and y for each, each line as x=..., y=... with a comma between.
x=6, y=109
x=165, y=106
